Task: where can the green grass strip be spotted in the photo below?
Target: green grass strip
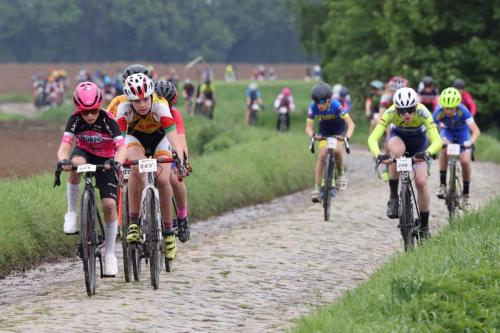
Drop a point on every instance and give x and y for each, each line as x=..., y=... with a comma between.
x=451, y=284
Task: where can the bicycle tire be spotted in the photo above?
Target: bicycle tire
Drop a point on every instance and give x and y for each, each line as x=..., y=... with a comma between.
x=282, y=122
x=88, y=241
x=126, y=248
x=153, y=237
x=327, y=187
x=406, y=220
x=136, y=261
x=451, y=195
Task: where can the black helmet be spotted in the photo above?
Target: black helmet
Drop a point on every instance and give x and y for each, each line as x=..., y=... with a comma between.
x=321, y=91
x=428, y=80
x=343, y=92
x=166, y=89
x=459, y=84
x=134, y=69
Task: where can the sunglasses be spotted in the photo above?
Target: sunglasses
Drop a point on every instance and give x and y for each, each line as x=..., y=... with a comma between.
x=409, y=110
x=322, y=101
x=87, y=112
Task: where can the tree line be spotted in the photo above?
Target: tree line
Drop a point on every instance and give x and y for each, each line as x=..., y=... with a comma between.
x=362, y=40
x=148, y=30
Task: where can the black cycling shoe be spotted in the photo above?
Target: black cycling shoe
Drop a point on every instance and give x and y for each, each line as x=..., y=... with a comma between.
x=393, y=208
x=424, y=233
x=183, y=231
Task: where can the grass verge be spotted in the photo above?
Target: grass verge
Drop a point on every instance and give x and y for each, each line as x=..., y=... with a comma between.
x=451, y=284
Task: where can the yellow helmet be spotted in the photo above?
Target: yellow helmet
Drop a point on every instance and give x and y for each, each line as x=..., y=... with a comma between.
x=450, y=98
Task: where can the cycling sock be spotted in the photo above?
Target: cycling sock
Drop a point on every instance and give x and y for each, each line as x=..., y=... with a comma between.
x=110, y=237
x=134, y=218
x=466, y=187
x=393, y=185
x=182, y=212
x=424, y=220
x=73, y=192
x=442, y=177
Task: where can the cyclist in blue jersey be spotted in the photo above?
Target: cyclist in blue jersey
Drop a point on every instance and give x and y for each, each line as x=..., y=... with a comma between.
x=333, y=120
x=456, y=124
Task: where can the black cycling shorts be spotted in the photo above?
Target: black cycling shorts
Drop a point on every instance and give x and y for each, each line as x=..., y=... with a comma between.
x=106, y=181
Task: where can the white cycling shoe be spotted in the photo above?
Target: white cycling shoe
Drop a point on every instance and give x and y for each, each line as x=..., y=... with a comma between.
x=71, y=223
x=110, y=265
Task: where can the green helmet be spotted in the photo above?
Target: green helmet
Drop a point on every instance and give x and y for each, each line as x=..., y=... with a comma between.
x=450, y=98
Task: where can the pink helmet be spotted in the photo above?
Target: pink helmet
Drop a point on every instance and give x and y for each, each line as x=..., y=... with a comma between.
x=286, y=92
x=87, y=96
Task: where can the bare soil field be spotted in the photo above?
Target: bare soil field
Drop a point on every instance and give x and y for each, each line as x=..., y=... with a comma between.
x=20, y=74
x=28, y=147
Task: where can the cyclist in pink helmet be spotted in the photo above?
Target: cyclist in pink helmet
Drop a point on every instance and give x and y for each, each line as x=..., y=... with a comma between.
x=284, y=104
x=87, y=96
x=98, y=141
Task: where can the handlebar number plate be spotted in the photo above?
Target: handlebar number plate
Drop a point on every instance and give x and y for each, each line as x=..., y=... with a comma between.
x=147, y=165
x=126, y=173
x=332, y=143
x=453, y=149
x=404, y=164
x=86, y=168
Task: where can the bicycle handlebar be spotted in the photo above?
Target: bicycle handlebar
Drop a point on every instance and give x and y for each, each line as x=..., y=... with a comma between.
x=160, y=159
x=342, y=138
x=59, y=170
x=378, y=161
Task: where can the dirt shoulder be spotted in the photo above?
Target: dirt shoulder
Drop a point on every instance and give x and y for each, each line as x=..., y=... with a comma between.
x=253, y=270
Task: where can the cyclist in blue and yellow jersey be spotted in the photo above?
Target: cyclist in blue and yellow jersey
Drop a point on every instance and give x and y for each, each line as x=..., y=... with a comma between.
x=412, y=123
x=456, y=124
x=333, y=120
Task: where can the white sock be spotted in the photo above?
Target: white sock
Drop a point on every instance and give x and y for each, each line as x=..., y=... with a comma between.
x=110, y=237
x=73, y=193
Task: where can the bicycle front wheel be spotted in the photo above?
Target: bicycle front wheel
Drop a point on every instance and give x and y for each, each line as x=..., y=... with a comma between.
x=406, y=221
x=153, y=237
x=88, y=239
x=451, y=195
x=126, y=248
x=327, y=187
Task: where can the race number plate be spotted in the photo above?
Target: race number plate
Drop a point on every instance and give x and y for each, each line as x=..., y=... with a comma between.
x=453, y=149
x=332, y=143
x=86, y=168
x=403, y=164
x=147, y=165
x=126, y=173
x=283, y=110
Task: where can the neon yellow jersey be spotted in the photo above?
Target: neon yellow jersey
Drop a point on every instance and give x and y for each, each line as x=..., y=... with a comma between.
x=422, y=121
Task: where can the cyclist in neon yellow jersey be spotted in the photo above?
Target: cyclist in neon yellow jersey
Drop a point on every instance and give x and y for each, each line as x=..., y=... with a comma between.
x=410, y=122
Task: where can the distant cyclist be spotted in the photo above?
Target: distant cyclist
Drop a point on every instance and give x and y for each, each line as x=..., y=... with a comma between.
x=467, y=99
x=208, y=97
x=284, y=101
x=412, y=124
x=253, y=102
x=428, y=93
x=188, y=92
x=333, y=120
x=372, y=102
x=456, y=124
x=98, y=141
x=344, y=99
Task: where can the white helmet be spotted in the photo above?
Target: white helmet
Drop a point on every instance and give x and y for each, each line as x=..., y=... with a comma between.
x=138, y=86
x=405, y=98
x=253, y=86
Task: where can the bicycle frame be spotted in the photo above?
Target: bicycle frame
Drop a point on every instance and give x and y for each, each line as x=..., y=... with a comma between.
x=454, y=185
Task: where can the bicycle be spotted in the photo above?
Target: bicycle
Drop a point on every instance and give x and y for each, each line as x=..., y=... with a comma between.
x=283, y=119
x=328, y=190
x=151, y=246
x=91, y=239
x=409, y=214
x=453, y=194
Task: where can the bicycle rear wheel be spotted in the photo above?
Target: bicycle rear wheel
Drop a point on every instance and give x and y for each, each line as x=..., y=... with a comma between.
x=153, y=238
x=88, y=239
x=126, y=248
x=451, y=195
x=327, y=187
x=406, y=220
